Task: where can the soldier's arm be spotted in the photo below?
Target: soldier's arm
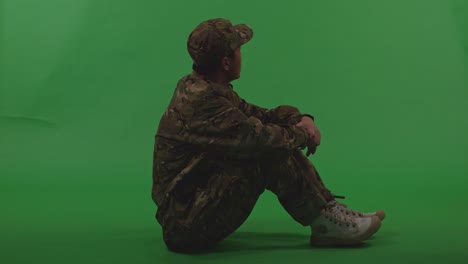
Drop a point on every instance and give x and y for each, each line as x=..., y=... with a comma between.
x=220, y=126
x=281, y=115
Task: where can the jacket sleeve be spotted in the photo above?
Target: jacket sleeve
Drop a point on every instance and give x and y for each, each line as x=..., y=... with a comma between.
x=218, y=125
x=281, y=115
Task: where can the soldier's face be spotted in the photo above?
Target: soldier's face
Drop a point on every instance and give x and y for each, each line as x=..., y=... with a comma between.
x=236, y=64
x=232, y=66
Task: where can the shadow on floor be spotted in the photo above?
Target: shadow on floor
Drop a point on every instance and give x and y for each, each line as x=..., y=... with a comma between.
x=258, y=241
x=261, y=241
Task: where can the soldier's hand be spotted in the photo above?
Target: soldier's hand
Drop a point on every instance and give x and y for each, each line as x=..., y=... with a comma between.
x=314, y=134
x=311, y=148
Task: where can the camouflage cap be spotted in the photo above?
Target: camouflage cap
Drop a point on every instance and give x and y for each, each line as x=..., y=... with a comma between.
x=215, y=38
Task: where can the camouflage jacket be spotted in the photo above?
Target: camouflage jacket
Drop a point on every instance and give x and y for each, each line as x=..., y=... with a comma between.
x=208, y=122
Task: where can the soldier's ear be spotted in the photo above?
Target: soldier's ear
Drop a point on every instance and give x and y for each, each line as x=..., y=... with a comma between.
x=226, y=62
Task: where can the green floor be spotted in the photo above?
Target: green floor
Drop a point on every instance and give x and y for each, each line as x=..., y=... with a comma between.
x=47, y=225
x=83, y=84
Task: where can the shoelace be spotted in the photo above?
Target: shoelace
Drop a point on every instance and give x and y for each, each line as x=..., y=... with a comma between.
x=337, y=218
x=338, y=196
x=346, y=210
x=352, y=212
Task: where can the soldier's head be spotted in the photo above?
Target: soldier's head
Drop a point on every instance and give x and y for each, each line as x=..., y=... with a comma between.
x=214, y=46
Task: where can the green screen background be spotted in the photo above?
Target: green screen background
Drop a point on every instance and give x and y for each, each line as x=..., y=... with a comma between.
x=83, y=84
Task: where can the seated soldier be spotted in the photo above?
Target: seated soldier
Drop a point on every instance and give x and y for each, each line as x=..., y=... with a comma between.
x=215, y=154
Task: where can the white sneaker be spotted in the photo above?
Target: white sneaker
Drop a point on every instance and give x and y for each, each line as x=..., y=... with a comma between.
x=333, y=228
x=342, y=208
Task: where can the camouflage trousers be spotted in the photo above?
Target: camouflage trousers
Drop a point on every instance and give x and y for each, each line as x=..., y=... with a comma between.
x=197, y=218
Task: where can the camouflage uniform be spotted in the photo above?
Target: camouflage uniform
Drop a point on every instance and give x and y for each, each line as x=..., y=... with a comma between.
x=215, y=154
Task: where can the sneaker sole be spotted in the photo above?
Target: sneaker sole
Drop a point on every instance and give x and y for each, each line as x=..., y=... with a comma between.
x=320, y=241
